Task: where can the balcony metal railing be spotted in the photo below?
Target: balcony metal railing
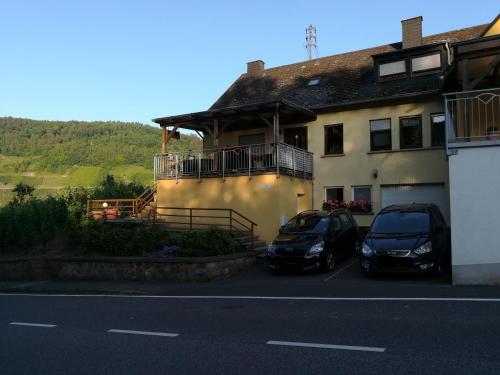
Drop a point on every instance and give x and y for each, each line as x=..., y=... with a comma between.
x=472, y=116
x=236, y=161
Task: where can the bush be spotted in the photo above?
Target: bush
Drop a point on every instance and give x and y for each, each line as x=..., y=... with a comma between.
x=208, y=242
x=124, y=239
x=134, y=239
x=28, y=223
x=32, y=224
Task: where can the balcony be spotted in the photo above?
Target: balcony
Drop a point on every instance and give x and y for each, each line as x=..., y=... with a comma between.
x=472, y=118
x=248, y=160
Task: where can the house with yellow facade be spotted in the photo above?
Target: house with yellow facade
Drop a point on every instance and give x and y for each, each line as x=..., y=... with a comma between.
x=369, y=128
x=364, y=126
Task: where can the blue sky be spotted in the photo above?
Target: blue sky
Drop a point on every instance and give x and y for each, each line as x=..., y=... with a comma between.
x=136, y=60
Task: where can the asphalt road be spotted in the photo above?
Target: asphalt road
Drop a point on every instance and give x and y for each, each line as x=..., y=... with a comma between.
x=234, y=336
x=256, y=323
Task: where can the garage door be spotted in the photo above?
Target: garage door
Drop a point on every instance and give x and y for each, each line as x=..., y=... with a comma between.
x=403, y=194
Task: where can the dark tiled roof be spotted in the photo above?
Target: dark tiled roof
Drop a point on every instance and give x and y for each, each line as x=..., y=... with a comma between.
x=345, y=78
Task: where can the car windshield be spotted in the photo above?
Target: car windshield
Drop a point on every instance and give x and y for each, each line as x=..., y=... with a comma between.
x=394, y=222
x=313, y=224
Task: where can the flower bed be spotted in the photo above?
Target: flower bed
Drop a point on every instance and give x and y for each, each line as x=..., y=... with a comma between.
x=360, y=206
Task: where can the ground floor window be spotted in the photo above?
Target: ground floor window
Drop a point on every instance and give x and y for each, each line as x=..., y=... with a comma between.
x=334, y=193
x=361, y=193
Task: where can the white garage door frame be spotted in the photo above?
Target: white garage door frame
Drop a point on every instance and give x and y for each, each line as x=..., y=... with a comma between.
x=416, y=193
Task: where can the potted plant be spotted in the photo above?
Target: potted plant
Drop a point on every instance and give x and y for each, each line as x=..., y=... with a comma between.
x=111, y=213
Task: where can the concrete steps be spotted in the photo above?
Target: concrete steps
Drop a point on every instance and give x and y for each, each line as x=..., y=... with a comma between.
x=260, y=246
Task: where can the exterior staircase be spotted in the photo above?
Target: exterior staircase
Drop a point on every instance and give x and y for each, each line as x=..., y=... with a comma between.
x=142, y=207
x=146, y=204
x=259, y=246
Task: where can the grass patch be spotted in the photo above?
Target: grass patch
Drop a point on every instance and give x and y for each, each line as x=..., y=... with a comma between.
x=133, y=173
x=84, y=176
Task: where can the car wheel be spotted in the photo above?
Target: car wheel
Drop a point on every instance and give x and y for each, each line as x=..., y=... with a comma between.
x=329, y=262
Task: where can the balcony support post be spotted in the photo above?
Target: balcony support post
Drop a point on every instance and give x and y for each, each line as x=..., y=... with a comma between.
x=223, y=164
x=199, y=166
x=276, y=126
x=177, y=168
x=447, y=119
x=249, y=162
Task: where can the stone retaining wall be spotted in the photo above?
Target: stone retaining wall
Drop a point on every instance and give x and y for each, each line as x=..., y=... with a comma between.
x=125, y=268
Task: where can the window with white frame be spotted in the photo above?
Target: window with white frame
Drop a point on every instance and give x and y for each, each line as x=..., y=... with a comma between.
x=362, y=193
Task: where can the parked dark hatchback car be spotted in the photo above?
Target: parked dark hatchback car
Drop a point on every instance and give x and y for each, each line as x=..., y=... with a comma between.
x=407, y=238
x=315, y=240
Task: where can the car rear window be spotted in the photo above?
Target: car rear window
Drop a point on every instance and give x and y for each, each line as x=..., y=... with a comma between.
x=401, y=222
x=307, y=224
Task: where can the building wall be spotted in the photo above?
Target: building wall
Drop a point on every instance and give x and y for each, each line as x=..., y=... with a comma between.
x=494, y=29
x=475, y=205
x=264, y=199
x=357, y=165
x=232, y=138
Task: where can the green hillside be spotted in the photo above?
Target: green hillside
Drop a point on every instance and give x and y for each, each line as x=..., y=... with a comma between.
x=55, y=154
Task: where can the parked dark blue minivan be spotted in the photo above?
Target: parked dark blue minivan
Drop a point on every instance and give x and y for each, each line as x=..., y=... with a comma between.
x=407, y=238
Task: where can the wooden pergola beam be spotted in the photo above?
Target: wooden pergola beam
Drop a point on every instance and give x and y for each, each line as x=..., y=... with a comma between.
x=266, y=121
x=166, y=136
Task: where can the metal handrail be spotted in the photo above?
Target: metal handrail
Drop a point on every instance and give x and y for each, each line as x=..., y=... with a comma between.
x=472, y=116
x=468, y=92
x=134, y=206
x=235, y=160
x=247, y=224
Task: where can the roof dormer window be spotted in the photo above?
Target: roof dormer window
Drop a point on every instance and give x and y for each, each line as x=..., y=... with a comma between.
x=392, y=68
x=313, y=81
x=427, y=62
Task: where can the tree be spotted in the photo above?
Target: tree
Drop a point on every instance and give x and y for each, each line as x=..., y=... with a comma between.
x=23, y=192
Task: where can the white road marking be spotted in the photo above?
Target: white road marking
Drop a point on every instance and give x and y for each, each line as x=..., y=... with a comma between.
x=327, y=346
x=341, y=270
x=271, y=298
x=33, y=324
x=146, y=333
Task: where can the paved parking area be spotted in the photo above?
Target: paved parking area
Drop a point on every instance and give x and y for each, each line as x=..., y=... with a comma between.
x=345, y=281
x=347, y=272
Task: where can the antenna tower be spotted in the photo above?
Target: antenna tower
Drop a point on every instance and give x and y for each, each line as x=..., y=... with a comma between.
x=311, y=41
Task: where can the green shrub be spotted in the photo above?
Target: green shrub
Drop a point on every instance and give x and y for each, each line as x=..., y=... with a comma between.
x=28, y=223
x=124, y=239
x=208, y=242
x=135, y=239
x=32, y=224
